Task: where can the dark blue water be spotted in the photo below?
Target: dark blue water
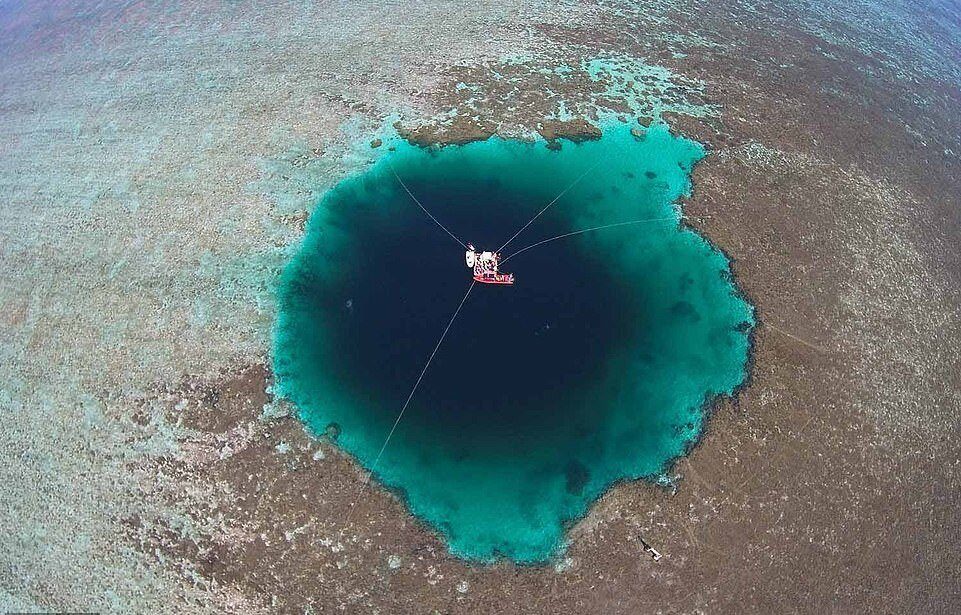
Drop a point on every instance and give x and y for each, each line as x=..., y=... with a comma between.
x=594, y=367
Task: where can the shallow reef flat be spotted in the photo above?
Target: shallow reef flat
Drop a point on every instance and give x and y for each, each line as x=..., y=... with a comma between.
x=159, y=165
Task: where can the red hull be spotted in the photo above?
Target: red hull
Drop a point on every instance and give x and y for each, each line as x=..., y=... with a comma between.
x=495, y=278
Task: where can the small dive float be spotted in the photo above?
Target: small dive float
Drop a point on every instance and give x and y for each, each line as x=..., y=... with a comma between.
x=485, y=266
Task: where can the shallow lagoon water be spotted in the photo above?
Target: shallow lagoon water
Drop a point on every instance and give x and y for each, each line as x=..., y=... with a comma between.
x=597, y=366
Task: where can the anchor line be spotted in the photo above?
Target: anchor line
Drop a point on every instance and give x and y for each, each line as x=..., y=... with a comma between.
x=417, y=384
x=586, y=230
x=546, y=207
x=429, y=215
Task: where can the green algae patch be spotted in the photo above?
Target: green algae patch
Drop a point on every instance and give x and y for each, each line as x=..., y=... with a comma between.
x=597, y=366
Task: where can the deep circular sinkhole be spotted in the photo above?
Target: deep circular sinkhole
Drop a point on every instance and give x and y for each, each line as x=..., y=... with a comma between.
x=595, y=366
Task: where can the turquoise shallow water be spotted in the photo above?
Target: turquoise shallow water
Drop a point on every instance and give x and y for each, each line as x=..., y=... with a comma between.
x=597, y=366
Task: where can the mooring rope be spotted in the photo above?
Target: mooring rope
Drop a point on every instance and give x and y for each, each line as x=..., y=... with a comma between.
x=416, y=384
x=586, y=230
x=796, y=338
x=430, y=215
x=546, y=207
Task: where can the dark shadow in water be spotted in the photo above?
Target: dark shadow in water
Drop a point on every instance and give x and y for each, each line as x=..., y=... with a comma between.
x=591, y=369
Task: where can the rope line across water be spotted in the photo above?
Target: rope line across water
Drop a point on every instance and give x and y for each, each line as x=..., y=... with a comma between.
x=546, y=207
x=416, y=384
x=430, y=215
x=586, y=230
